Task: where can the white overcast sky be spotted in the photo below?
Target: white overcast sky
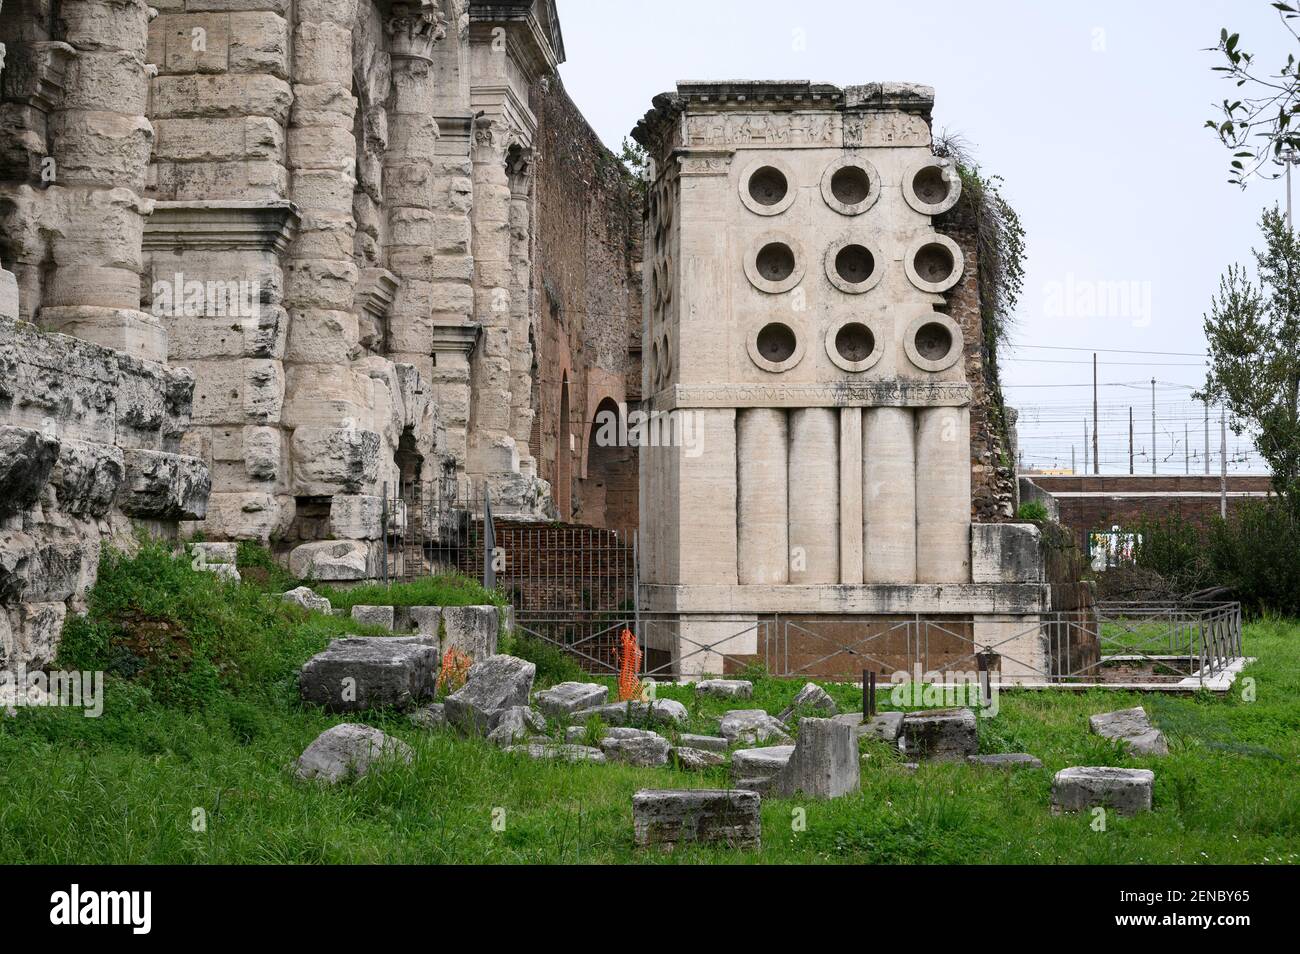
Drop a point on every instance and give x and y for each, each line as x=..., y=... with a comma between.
x=1093, y=114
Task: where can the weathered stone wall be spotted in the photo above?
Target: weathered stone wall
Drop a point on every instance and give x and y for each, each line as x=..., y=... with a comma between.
x=88, y=454
x=589, y=303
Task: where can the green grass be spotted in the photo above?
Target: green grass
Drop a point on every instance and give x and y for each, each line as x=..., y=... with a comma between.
x=202, y=713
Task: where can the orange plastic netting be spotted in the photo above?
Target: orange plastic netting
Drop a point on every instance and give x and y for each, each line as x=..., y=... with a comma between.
x=629, y=663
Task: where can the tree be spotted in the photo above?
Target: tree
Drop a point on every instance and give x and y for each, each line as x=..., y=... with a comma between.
x=1254, y=339
x=1264, y=122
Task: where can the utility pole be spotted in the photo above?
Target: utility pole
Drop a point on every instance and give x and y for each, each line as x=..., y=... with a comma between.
x=1073, y=469
x=1207, y=437
x=1096, y=462
x=1153, y=425
x=1187, y=452
x=1289, y=156
x=1085, y=445
x=1130, y=440
x=1223, y=464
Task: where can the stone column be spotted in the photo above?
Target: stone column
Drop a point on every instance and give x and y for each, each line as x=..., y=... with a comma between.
x=100, y=142
x=943, y=495
x=519, y=166
x=409, y=182
x=762, y=522
x=325, y=395
x=851, y=525
x=8, y=283
x=888, y=495
x=814, y=495
x=491, y=449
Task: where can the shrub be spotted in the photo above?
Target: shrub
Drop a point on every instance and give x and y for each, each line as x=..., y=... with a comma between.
x=1256, y=552
x=1034, y=511
x=1174, y=548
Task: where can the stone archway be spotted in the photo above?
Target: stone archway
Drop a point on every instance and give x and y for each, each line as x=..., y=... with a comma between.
x=604, y=489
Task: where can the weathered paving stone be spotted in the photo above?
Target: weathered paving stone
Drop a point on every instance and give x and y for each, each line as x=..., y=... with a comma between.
x=697, y=760
x=709, y=743
x=644, y=749
x=711, y=816
x=432, y=716
x=755, y=768
x=1133, y=728
x=307, y=598
x=496, y=683
x=381, y=616
x=726, y=688
x=565, y=698
x=555, y=752
x=663, y=711
x=516, y=724
x=1127, y=791
x=366, y=672
x=1011, y=760
x=884, y=725
x=810, y=698
x=824, y=763
x=751, y=726
x=939, y=735
x=348, y=750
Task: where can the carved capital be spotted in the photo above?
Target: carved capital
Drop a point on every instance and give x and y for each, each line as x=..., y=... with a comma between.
x=413, y=29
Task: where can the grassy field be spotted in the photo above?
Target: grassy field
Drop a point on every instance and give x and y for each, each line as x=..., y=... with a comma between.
x=202, y=713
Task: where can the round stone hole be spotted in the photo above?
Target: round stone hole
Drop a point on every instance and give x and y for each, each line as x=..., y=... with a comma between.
x=933, y=263
x=855, y=342
x=854, y=264
x=776, y=342
x=933, y=341
x=851, y=185
x=930, y=186
x=767, y=186
x=775, y=262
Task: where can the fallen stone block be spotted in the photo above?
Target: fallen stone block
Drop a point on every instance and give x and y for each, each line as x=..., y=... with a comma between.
x=726, y=688
x=1133, y=728
x=432, y=716
x=752, y=726
x=824, y=763
x=471, y=630
x=811, y=698
x=226, y=572
x=663, y=711
x=755, y=768
x=566, y=698
x=515, y=725
x=697, y=760
x=1012, y=760
x=1127, y=791
x=492, y=685
x=204, y=554
x=418, y=619
x=381, y=616
x=885, y=726
x=939, y=735
x=308, y=599
x=709, y=816
x=555, y=752
x=367, y=672
x=348, y=750
x=709, y=743
x=328, y=560
x=645, y=749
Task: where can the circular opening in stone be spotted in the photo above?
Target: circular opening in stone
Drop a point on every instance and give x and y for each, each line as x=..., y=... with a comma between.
x=850, y=185
x=775, y=261
x=776, y=342
x=934, y=263
x=767, y=186
x=933, y=341
x=854, y=264
x=930, y=185
x=855, y=342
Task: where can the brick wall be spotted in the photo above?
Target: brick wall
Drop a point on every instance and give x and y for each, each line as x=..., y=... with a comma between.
x=587, y=276
x=1089, y=503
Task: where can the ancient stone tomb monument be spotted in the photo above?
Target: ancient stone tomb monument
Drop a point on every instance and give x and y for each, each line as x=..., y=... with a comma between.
x=810, y=325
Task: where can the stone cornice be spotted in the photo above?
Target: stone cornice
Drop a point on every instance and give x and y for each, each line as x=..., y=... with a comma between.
x=890, y=393
x=375, y=291
x=539, y=37
x=460, y=338
x=265, y=225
